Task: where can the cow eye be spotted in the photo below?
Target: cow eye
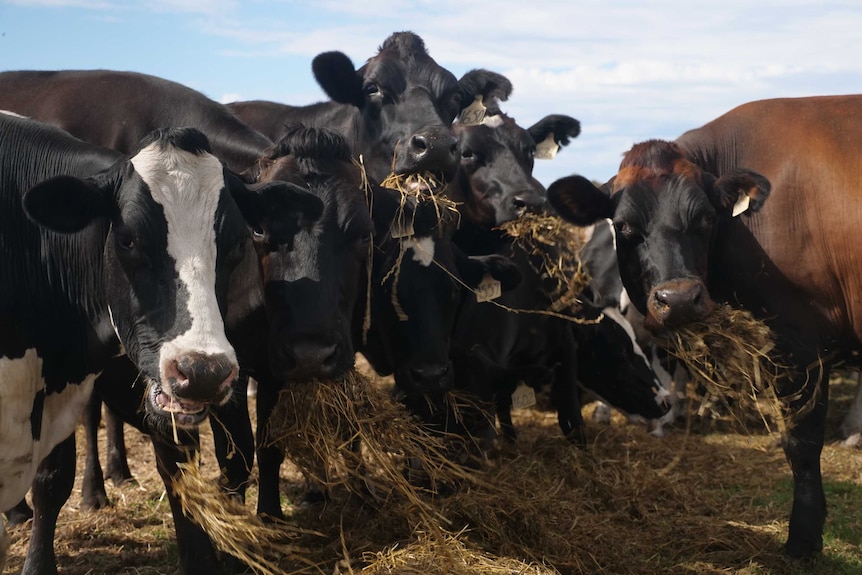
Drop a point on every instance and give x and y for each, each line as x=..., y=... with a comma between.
x=125, y=240
x=258, y=233
x=627, y=231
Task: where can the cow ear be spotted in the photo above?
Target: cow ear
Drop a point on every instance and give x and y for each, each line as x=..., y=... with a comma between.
x=560, y=127
x=337, y=76
x=473, y=270
x=580, y=202
x=490, y=85
x=739, y=191
x=65, y=204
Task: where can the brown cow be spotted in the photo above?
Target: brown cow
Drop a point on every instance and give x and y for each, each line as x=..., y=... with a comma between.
x=791, y=263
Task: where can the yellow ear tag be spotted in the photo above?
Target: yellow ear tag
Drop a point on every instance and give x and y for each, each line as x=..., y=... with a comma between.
x=523, y=396
x=488, y=289
x=547, y=149
x=473, y=114
x=741, y=204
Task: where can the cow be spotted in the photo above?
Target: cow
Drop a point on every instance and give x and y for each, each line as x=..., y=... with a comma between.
x=395, y=110
x=116, y=109
x=789, y=166
x=109, y=255
x=495, y=348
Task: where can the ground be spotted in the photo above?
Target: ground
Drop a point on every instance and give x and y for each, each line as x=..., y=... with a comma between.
x=696, y=502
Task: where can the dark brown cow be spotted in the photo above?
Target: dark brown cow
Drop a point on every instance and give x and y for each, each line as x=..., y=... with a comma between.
x=791, y=263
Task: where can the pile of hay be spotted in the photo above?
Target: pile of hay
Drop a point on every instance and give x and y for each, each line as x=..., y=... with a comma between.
x=234, y=530
x=430, y=555
x=730, y=355
x=556, y=244
x=351, y=433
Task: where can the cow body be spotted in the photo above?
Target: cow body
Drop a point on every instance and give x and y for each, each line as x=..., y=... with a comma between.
x=116, y=110
x=108, y=271
x=789, y=263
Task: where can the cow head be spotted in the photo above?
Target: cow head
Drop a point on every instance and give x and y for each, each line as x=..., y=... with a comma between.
x=417, y=284
x=404, y=105
x=665, y=211
x=310, y=272
x=175, y=234
x=495, y=182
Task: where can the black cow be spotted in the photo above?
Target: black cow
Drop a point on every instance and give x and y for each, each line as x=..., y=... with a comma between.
x=103, y=268
x=497, y=348
x=680, y=248
x=116, y=109
x=395, y=110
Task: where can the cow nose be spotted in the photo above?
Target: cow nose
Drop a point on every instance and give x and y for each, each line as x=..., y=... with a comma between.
x=433, y=149
x=678, y=302
x=204, y=378
x=308, y=359
x=432, y=378
x=529, y=200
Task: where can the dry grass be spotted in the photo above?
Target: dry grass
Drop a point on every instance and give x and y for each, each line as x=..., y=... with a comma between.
x=730, y=354
x=628, y=504
x=556, y=244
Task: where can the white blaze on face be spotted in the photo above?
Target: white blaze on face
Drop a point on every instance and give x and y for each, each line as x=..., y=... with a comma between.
x=423, y=250
x=188, y=188
x=20, y=454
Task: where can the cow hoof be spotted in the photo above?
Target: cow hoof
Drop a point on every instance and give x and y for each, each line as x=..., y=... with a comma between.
x=803, y=549
x=602, y=413
x=94, y=501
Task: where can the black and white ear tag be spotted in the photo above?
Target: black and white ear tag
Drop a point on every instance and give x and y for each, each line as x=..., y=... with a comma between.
x=523, y=396
x=547, y=149
x=488, y=289
x=741, y=204
x=473, y=114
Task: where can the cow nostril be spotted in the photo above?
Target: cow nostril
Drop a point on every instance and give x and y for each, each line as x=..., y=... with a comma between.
x=519, y=203
x=661, y=296
x=419, y=143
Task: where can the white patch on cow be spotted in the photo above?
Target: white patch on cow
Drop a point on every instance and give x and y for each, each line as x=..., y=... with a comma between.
x=588, y=232
x=20, y=453
x=661, y=390
x=610, y=224
x=188, y=188
x=625, y=300
x=851, y=427
x=17, y=115
x=494, y=121
x=423, y=250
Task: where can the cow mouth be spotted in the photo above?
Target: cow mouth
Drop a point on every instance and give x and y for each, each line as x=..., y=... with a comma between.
x=416, y=183
x=182, y=413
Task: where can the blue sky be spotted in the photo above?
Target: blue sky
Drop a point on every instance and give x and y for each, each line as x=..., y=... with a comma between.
x=628, y=70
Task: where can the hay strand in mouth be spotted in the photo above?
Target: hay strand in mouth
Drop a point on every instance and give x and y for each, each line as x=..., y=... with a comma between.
x=233, y=530
x=556, y=244
x=351, y=433
x=730, y=354
x=424, y=187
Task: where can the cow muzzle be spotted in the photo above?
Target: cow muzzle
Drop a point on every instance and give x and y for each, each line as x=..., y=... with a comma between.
x=676, y=303
x=432, y=149
x=190, y=384
x=311, y=357
x=427, y=378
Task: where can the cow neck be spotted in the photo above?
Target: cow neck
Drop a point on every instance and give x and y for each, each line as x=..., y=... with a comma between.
x=478, y=241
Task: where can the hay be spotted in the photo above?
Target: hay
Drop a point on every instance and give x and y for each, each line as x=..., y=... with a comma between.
x=429, y=555
x=424, y=187
x=556, y=244
x=351, y=433
x=233, y=530
x=730, y=354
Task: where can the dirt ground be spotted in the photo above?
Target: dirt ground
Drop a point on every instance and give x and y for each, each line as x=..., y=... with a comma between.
x=697, y=502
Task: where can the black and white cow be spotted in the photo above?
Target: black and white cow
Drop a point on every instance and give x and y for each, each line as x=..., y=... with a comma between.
x=108, y=255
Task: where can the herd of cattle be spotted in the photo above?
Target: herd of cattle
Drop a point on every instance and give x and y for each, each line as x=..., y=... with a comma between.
x=160, y=248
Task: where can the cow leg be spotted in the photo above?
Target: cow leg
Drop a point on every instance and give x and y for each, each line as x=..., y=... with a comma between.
x=93, y=494
x=51, y=488
x=196, y=553
x=503, y=404
x=269, y=457
x=19, y=514
x=234, y=441
x=117, y=468
x=803, y=445
x=564, y=390
x=851, y=427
